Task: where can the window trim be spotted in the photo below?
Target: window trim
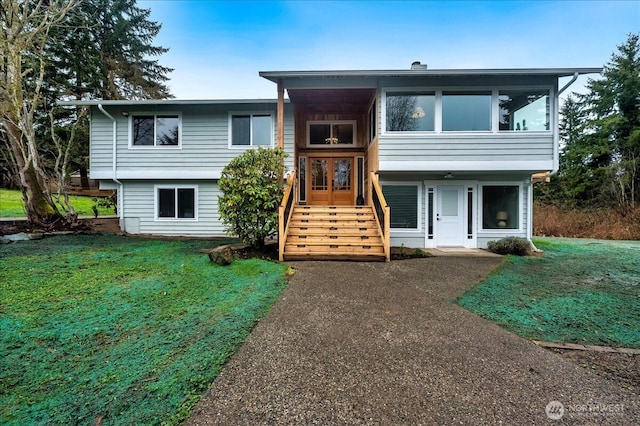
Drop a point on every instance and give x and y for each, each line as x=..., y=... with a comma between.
x=251, y=114
x=332, y=122
x=480, y=210
x=419, y=187
x=438, y=91
x=373, y=120
x=550, y=94
x=155, y=117
x=156, y=200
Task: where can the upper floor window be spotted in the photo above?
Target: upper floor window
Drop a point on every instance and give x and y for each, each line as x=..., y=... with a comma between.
x=155, y=130
x=524, y=110
x=410, y=111
x=326, y=133
x=464, y=111
x=251, y=130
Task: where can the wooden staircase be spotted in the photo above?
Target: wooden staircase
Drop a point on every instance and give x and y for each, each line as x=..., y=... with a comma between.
x=333, y=232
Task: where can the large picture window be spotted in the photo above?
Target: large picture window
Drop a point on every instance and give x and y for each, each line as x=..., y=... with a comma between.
x=176, y=203
x=500, y=207
x=410, y=112
x=524, y=110
x=324, y=133
x=155, y=130
x=251, y=130
x=466, y=111
x=403, y=204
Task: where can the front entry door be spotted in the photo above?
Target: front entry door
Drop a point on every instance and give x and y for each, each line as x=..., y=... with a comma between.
x=450, y=216
x=331, y=181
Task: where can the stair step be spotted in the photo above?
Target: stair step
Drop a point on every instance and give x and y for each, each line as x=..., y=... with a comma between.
x=342, y=241
x=340, y=233
x=334, y=250
x=328, y=216
x=333, y=232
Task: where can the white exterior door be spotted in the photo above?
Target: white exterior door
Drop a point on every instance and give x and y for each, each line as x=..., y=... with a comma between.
x=450, y=216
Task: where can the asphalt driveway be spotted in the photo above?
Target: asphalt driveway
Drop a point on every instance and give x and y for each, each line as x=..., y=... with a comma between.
x=382, y=343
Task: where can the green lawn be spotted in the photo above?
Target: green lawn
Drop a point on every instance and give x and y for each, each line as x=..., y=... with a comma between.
x=11, y=205
x=122, y=329
x=580, y=291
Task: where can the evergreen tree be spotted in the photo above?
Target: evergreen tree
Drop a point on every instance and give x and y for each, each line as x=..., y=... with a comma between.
x=611, y=142
x=600, y=131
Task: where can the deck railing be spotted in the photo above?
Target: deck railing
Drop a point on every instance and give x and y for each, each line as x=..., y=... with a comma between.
x=284, y=212
x=381, y=212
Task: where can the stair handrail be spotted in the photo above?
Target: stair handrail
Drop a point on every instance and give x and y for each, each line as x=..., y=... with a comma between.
x=381, y=212
x=285, y=210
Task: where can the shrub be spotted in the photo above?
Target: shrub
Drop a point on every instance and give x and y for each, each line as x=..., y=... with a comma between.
x=252, y=189
x=511, y=245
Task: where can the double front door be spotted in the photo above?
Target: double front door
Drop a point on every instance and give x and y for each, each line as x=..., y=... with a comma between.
x=331, y=181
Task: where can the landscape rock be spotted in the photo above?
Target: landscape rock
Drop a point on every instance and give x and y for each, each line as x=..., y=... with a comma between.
x=222, y=255
x=21, y=236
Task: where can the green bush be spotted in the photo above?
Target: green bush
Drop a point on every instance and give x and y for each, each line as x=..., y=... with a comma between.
x=510, y=245
x=252, y=189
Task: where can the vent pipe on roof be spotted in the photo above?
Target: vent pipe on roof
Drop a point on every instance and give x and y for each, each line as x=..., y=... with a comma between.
x=416, y=65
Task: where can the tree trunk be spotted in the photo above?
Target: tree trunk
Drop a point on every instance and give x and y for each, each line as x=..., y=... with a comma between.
x=38, y=204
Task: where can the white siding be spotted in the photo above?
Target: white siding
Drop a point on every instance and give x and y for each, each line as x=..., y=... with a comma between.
x=411, y=238
x=204, y=147
x=139, y=209
x=466, y=152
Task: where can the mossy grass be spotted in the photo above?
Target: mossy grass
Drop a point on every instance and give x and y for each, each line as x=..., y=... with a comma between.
x=125, y=330
x=11, y=205
x=580, y=291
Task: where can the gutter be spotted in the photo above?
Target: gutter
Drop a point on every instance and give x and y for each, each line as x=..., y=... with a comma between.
x=114, y=167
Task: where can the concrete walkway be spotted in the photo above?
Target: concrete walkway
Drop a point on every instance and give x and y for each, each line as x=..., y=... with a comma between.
x=382, y=343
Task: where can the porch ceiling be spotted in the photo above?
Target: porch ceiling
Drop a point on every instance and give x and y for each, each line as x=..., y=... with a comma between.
x=333, y=100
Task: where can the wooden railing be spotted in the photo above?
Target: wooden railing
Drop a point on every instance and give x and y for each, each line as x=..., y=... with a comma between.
x=284, y=212
x=381, y=212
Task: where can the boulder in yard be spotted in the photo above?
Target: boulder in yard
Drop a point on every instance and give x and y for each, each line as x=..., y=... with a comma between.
x=222, y=255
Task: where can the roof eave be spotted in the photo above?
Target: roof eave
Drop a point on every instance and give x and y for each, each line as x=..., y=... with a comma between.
x=275, y=76
x=124, y=102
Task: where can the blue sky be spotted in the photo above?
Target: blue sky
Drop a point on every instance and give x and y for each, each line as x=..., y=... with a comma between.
x=218, y=47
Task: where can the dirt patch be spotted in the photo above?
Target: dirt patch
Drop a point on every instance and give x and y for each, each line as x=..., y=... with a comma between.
x=97, y=225
x=622, y=369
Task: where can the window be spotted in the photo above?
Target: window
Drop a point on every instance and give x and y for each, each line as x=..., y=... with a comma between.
x=373, y=122
x=408, y=112
x=403, y=204
x=331, y=133
x=500, y=207
x=176, y=203
x=466, y=111
x=524, y=110
x=251, y=130
x=155, y=130
x=302, y=179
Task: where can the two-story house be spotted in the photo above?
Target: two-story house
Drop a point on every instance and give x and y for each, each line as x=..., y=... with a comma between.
x=414, y=157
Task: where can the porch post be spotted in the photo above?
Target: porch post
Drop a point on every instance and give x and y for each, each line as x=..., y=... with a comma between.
x=280, y=114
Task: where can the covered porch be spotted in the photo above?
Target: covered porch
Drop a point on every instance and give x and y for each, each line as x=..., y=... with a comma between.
x=333, y=207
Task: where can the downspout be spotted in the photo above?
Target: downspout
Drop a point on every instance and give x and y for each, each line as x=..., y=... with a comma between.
x=556, y=153
x=114, y=165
